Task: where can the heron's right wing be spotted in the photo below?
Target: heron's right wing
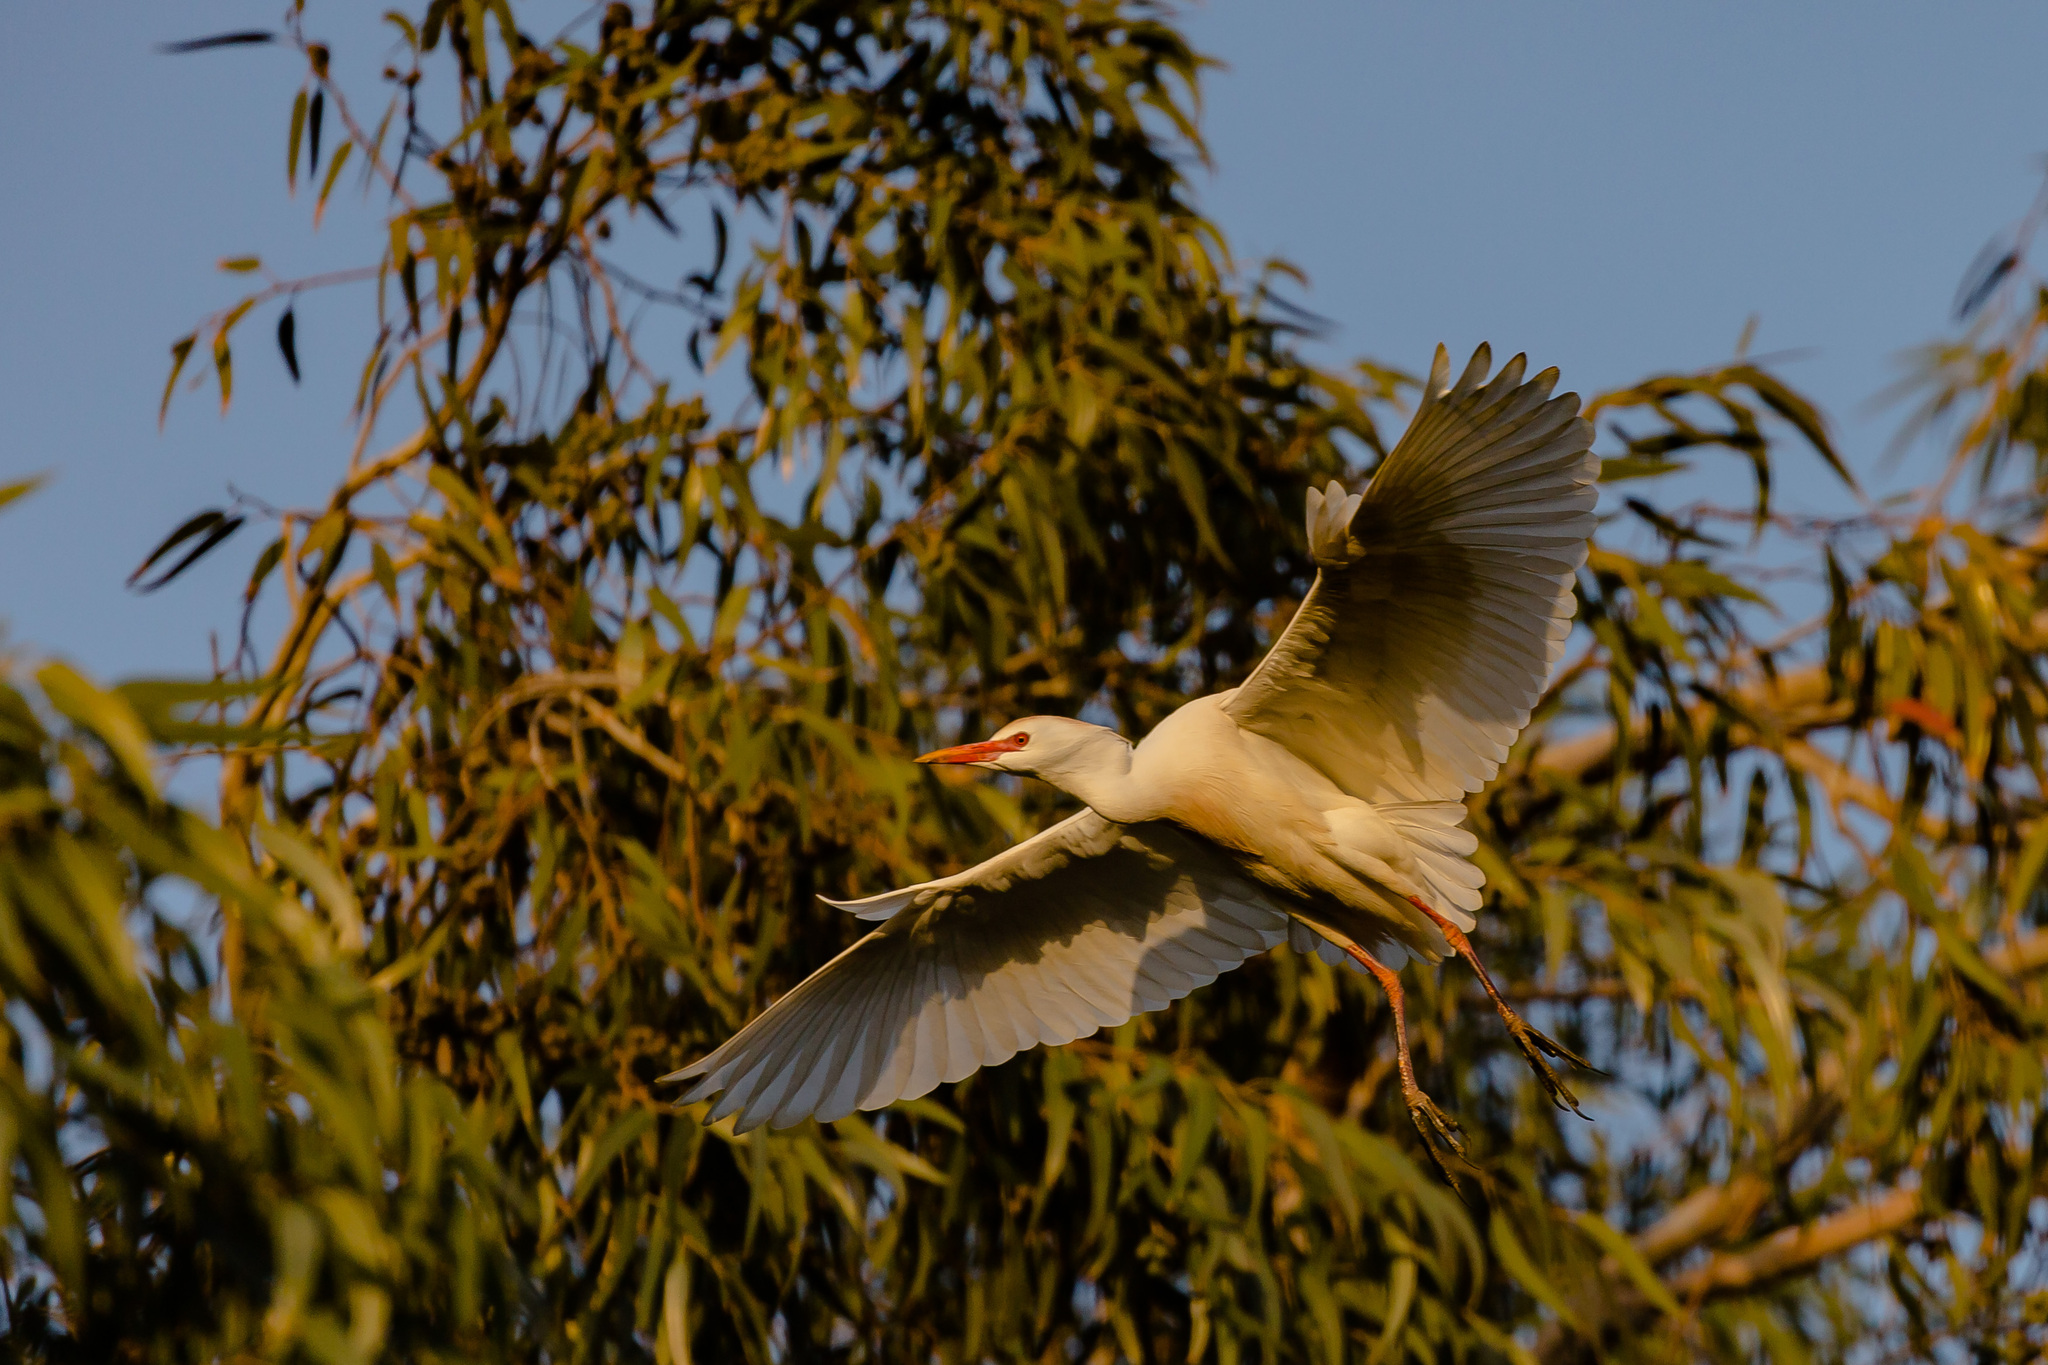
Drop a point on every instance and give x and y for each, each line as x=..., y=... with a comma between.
x=1077, y=929
x=1443, y=593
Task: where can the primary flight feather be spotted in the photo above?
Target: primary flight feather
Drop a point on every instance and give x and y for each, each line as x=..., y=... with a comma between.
x=1319, y=802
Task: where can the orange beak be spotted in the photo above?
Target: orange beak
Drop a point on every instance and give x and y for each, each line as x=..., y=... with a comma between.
x=974, y=753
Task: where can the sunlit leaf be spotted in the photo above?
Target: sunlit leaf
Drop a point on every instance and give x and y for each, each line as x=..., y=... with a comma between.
x=21, y=488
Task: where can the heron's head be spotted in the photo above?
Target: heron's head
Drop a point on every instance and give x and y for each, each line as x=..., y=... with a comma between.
x=1051, y=747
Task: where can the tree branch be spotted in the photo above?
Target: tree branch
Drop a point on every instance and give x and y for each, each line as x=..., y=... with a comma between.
x=1590, y=757
x=1798, y=1248
x=1724, y=1212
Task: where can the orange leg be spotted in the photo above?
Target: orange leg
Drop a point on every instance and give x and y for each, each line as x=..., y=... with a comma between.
x=1532, y=1043
x=1430, y=1121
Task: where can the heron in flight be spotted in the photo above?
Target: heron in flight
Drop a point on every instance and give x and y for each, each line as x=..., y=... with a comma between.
x=1319, y=803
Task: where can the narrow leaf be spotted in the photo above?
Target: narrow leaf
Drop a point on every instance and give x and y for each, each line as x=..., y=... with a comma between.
x=316, y=114
x=105, y=714
x=624, y=1130
x=212, y=538
x=291, y=169
x=180, y=349
x=1639, y=1271
x=224, y=367
x=1801, y=414
x=240, y=38
x=1515, y=1259
x=1400, y=1298
x=265, y=562
x=287, y=342
x=317, y=875
x=386, y=573
x=1998, y=259
x=2026, y=870
x=1962, y=955
x=21, y=488
x=212, y=524
x=506, y=1045
x=333, y=174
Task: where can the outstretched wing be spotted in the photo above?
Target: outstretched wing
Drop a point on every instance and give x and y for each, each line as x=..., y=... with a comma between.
x=1443, y=596
x=1076, y=929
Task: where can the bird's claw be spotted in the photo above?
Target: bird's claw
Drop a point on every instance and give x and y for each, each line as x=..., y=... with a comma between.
x=1436, y=1128
x=1534, y=1044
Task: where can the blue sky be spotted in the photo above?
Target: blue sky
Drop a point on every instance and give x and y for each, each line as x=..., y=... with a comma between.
x=1613, y=188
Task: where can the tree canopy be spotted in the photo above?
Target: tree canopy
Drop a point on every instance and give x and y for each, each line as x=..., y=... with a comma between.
x=765, y=392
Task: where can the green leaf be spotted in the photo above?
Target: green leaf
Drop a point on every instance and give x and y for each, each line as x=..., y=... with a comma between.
x=731, y=612
x=21, y=488
x=1915, y=881
x=1962, y=955
x=1400, y=1299
x=317, y=875
x=63, y=1239
x=675, y=1308
x=333, y=174
x=1618, y=469
x=224, y=367
x=625, y=1129
x=291, y=164
x=1515, y=1259
x=1639, y=1271
x=180, y=349
x=266, y=562
x=1781, y=399
x=2025, y=876
x=295, y=1234
x=211, y=527
x=1191, y=1141
x=386, y=574
x=355, y=1229
x=506, y=1045
x=106, y=715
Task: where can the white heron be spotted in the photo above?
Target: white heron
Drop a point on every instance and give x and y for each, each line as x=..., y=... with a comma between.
x=1318, y=803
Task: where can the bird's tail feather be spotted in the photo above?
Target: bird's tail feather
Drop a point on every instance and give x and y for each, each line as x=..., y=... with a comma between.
x=1442, y=849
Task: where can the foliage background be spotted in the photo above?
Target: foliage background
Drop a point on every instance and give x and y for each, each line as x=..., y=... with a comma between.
x=591, y=681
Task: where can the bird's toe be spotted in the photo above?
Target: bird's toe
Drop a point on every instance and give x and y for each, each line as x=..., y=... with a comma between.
x=1438, y=1129
x=1534, y=1044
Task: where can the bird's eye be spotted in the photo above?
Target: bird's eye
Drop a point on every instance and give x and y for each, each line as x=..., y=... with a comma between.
x=1019, y=740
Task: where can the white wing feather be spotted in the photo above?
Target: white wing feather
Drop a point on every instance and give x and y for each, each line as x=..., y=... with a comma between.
x=1076, y=929
x=1443, y=598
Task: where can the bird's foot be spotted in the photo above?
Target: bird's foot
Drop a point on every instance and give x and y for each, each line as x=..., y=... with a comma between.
x=1437, y=1128
x=1534, y=1044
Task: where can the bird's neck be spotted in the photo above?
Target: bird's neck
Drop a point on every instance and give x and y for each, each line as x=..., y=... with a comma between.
x=1107, y=784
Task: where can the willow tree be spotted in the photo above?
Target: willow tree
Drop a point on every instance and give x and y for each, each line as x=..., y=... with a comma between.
x=791, y=387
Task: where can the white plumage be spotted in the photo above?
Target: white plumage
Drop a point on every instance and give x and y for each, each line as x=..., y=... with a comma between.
x=1076, y=929
x=1319, y=802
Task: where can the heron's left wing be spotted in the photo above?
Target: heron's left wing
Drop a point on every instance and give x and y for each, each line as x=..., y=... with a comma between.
x=1443, y=593
x=1077, y=929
